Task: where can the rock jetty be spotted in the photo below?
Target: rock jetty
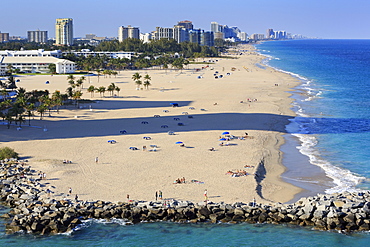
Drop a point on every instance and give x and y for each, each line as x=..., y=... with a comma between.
x=33, y=212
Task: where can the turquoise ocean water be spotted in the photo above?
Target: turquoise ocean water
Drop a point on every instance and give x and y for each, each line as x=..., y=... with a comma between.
x=333, y=127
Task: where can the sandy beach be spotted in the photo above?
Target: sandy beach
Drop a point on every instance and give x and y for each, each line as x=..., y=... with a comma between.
x=214, y=106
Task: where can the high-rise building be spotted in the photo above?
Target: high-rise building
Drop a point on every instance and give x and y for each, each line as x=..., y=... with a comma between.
x=195, y=36
x=270, y=33
x=64, y=31
x=243, y=36
x=215, y=27
x=37, y=36
x=186, y=24
x=128, y=32
x=164, y=33
x=280, y=35
x=4, y=37
x=146, y=37
x=207, y=39
x=219, y=35
x=180, y=34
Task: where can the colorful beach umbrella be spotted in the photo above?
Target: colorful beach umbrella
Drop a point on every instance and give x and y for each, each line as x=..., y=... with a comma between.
x=225, y=133
x=222, y=139
x=178, y=142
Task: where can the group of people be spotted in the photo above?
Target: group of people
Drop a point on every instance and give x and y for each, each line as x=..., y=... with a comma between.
x=237, y=173
x=42, y=175
x=67, y=162
x=180, y=181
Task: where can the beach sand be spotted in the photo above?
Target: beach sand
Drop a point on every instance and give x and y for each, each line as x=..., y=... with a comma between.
x=81, y=135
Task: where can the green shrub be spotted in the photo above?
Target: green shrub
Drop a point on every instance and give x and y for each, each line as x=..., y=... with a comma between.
x=7, y=153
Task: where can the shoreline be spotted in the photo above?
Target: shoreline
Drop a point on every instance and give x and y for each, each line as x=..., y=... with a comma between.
x=300, y=172
x=266, y=129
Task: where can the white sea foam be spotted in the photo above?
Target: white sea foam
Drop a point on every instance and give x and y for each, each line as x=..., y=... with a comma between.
x=342, y=178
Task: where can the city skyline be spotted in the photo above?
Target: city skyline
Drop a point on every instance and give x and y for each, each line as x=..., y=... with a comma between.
x=323, y=19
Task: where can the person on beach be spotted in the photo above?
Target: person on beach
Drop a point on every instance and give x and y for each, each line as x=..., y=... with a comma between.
x=69, y=191
x=205, y=195
x=96, y=160
x=156, y=195
x=76, y=197
x=128, y=197
x=160, y=195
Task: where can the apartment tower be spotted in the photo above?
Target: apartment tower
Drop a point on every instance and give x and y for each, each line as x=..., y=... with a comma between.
x=37, y=36
x=64, y=31
x=128, y=32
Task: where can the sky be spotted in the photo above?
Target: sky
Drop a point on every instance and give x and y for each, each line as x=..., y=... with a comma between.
x=330, y=19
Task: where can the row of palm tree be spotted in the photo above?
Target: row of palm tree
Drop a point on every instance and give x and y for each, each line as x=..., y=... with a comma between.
x=27, y=103
x=101, y=90
x=136, y=78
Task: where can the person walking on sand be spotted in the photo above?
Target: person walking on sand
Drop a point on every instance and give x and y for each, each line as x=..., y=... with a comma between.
x=156, y=195
x=76, y=198
x=96, y=160
x=205, y=195
x=128, y=197
x=69, y=191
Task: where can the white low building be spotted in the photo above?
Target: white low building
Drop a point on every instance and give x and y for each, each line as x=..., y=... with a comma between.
x=31, y=53
x=110, y=54
x=37, y=64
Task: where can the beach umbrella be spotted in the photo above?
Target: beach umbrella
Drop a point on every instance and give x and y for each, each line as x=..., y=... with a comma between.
x=225, y=133
x=179, y=143
x=222, y=139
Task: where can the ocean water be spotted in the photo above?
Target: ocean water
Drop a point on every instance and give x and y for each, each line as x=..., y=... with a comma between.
x=332, y=105
x=333, y=131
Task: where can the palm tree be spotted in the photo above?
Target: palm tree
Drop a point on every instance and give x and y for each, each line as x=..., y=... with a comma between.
x=72, y=83
x=70, y=77
x=111, y=88
x=79, y=83
x=20, y=119
x=9, y=118
x=76, y=96
x=101, y=90
x=11, y=83
x=91, y=90
x=138, y=83
x=57, y=100
x=69, y=92
x=136, y=78
x=147, y=79
x=41, y=109
x=47, y=102
x=98, y=71
x=20, y=92
x=117, y=89
x=29, y=110
x=9, y=68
